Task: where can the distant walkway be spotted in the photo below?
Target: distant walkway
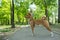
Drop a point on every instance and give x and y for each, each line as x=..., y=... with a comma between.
x=40, y=34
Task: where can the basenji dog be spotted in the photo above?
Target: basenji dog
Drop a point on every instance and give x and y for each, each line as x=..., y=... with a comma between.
x=43, y=21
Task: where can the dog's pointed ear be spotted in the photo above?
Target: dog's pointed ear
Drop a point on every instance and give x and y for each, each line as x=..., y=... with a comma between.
x=44, y=17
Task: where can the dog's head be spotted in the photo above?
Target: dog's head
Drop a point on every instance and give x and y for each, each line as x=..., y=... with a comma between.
x=44, y=18
x=28, y=16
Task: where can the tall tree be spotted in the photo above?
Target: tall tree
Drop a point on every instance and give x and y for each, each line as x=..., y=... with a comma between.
x=46, y=11
x=12, y=14
x=58, y=11
x=46, y=4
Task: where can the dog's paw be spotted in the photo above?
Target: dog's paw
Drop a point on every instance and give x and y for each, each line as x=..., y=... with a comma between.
x=52, y=34
x=33, y=35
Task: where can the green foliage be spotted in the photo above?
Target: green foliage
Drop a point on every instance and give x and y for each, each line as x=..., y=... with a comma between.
x=21, y=9
x=5, y=30
x=5, y=11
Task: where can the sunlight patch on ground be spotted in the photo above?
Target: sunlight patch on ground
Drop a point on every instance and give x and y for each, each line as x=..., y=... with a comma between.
x=5, y=26
x=22, y=26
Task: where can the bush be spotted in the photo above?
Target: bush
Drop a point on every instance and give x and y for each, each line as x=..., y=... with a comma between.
x=5, y=30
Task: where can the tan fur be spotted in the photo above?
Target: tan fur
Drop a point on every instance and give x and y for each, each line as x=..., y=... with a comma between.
x=41, y=21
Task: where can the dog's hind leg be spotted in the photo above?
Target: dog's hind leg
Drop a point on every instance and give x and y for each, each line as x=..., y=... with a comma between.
x=46, y=25
x=49, y=29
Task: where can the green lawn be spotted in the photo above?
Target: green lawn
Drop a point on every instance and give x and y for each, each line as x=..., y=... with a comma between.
x=4, y=26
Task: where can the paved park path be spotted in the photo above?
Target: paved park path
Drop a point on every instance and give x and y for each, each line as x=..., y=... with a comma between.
x=40, y=34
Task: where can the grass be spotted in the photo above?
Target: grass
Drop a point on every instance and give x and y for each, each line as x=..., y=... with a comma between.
x=4, y=26
x=7, y=28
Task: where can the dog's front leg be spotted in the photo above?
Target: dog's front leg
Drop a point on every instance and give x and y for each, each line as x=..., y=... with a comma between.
x=32, y=27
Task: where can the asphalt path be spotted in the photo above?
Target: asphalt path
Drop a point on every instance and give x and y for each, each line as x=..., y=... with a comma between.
x=41, y=33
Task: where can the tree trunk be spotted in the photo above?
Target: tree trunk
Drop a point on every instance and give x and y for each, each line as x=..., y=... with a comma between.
x=12, y=14
x=46, y=11
x=58, y=11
